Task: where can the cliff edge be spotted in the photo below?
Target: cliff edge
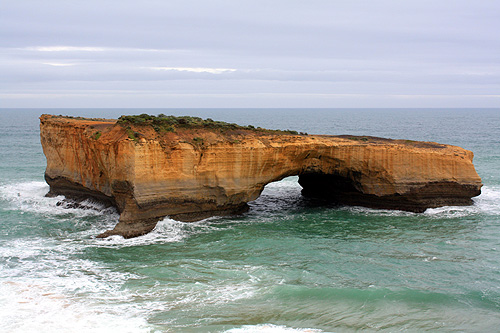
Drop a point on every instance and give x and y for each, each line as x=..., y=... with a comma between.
x=189, y=169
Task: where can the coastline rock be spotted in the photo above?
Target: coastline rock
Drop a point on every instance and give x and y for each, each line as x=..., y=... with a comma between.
x=194, y=172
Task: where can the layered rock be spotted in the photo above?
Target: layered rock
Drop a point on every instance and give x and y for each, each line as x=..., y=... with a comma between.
x=193, y=173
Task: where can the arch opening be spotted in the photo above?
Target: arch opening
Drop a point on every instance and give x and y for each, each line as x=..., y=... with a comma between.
x=304, y=191
x=327, y=187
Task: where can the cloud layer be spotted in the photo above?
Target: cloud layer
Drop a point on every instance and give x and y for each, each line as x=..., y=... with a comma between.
x=250, y=53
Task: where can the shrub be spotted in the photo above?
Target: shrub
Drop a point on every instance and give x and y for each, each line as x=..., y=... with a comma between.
x=132, y=134
x=163, y=123
x=357, y=138
x=198, y=141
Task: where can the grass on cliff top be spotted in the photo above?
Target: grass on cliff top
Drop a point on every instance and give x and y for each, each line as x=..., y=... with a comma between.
x=163, y=123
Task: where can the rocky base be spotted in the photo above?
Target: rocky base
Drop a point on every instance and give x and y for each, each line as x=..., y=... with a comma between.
x=197, y=216
x=135, y=228
x=76, y=192
x=431, y=195
x=131, y=229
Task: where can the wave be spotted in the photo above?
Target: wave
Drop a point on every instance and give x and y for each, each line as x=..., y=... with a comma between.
x=279, y=197
x=48, y=286
x=30, y=197
x=487, y=203
x=166, y=231
x=35, y=307
x=285, y=194
x=270, y=328
x=489, y=200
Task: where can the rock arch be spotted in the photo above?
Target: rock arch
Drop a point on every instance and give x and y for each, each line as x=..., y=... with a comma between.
x=192, y=175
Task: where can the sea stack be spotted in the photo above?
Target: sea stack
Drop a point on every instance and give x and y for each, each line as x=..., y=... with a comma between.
x=188, y=168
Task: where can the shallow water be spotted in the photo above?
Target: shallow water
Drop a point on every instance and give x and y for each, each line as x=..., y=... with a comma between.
x=288, y=265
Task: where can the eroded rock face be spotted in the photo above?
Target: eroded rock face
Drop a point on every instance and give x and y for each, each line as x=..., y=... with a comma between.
x=194, y=173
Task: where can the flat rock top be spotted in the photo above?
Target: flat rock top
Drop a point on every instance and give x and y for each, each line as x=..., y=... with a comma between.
x=113, y=130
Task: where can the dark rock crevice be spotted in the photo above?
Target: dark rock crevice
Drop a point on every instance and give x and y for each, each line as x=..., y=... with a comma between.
x=344, y=191
x=77, y=192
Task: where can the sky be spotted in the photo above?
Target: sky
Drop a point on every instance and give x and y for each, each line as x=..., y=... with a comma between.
x=237, y=54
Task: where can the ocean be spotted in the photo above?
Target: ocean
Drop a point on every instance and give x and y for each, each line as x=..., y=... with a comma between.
x=287, y=265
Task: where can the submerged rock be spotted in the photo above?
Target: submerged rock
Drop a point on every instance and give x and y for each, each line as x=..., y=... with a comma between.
x=189, y=168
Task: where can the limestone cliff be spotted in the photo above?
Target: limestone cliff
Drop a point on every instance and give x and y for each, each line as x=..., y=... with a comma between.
x=190, y=173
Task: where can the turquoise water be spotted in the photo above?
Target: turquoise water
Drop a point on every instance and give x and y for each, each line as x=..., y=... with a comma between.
x=288, y=265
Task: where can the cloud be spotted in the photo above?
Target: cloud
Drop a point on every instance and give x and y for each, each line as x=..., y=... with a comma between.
x=68, y=48
x=55, y=64
x=325, y=53
x=195, y=69
x=64, y=49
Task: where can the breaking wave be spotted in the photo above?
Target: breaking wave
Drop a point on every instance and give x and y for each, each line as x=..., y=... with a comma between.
x=30, y=197
x=269, y=328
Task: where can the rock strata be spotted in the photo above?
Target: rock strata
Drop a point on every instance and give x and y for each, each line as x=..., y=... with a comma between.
x=193, y=172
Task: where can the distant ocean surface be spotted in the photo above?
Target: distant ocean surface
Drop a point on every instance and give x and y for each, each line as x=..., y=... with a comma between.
x=285, y=266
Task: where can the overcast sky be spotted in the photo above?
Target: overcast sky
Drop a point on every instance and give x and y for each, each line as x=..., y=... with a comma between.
x=273, y=53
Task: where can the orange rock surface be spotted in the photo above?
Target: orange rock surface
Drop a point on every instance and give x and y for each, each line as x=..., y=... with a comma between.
x=194, y=173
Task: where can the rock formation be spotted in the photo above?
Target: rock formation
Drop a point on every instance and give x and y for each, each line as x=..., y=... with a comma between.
x=149, y=171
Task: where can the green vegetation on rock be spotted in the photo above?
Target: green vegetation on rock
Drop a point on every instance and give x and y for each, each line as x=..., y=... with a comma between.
x=132, y=135
x=163, y=123
x=359, y=138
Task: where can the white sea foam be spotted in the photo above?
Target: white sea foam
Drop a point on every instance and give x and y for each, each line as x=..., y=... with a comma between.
x=34, y=307
x=228, y=293
x=201, y=295
x=35, y=268
x=377, y=212
x=44, y=287
x=288, y=187
x=23, y=248
x=270, y=328
x=277, y=193
x=452, y=211
x=489, y=200
x=286, y=183
x=30, y=197
x=486, y=203
x=52, y=294
x=166, y=231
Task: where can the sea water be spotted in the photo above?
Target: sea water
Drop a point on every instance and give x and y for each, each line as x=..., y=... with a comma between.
x=288, y=265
